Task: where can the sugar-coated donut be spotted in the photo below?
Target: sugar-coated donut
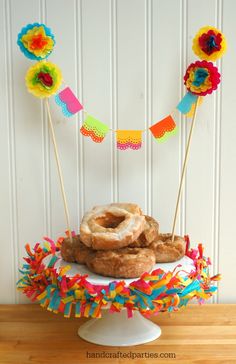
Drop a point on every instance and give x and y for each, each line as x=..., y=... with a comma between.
x=75, y=251
x=122, y=263
x=82, y=253
x=149, y=234
x=68, y=248
x=112, y=226
x=167, y=251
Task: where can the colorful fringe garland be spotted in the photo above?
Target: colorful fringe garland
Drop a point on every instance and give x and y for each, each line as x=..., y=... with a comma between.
x=94, y=128
x=129, y=139
x=152, y=293
x=163, y=129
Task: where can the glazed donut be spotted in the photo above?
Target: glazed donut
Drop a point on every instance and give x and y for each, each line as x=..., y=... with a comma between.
x=149, y=234
x=130, y=207
x=82, y=253
x=75, y=251
x=111, y=226
x=166, y=251
x=121, y=263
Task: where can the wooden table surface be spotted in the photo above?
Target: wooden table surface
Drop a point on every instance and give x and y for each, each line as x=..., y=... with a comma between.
x=196, y=334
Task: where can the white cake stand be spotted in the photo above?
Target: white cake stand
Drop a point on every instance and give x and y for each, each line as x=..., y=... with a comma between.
x=116, y=329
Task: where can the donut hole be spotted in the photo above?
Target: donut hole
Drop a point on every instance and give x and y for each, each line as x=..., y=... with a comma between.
x=109, y=221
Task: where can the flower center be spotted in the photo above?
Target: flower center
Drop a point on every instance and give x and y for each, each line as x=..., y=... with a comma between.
x=199, y=76
x=45, y=79
x=38, y=42
x=210, y=42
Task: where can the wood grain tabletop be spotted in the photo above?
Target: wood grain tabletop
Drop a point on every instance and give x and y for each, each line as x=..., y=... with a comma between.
x=196, y=334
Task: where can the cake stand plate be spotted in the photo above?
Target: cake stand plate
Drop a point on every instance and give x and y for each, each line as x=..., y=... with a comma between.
x=116, y=329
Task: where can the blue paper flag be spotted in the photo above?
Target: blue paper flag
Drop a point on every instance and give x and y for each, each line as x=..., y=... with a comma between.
x=185, y=104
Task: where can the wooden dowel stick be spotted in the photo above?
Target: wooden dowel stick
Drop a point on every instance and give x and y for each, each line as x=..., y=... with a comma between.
x=59, y=169
x=184, y=169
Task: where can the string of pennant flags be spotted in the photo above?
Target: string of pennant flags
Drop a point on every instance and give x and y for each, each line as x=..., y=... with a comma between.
x=44, y=79
x=97, y=130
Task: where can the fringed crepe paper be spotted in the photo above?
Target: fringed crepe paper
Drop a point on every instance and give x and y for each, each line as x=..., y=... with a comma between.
x=36, y=41
x=43, y=79
x=152, y=293
x=94, y=129
x=209, y=44
x=164, y=129
x=129, y=139
x=68, y=101
x=202, y=78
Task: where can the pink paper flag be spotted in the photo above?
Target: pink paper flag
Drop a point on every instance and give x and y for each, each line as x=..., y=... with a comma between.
x=68, y=101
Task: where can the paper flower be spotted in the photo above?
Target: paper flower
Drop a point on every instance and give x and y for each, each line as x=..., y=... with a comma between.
x=36, y=41
x=202, y=78
x=43, y=79
x=209, y=44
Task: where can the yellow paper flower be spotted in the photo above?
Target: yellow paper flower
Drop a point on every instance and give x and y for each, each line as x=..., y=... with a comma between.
x=43, y=79
x=209, y=44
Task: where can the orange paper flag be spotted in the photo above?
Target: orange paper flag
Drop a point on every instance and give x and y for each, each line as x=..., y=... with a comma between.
x=163, y=129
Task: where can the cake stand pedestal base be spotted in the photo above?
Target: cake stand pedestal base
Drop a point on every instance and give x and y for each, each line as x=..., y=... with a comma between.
x=116, y=329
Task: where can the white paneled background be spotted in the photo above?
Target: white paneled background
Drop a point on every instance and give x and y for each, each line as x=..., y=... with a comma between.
x=125, y=59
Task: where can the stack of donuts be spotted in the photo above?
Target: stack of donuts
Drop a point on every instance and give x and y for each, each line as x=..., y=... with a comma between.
x=119, y=241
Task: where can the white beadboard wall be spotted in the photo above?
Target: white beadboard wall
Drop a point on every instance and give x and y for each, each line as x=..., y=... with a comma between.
x=125, y=59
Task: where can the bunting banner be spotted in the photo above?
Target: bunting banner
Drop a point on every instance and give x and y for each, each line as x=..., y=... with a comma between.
x=129, y=139
x=43, y=79
x=68, y=101
x=163, y=129
x=94, y=128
